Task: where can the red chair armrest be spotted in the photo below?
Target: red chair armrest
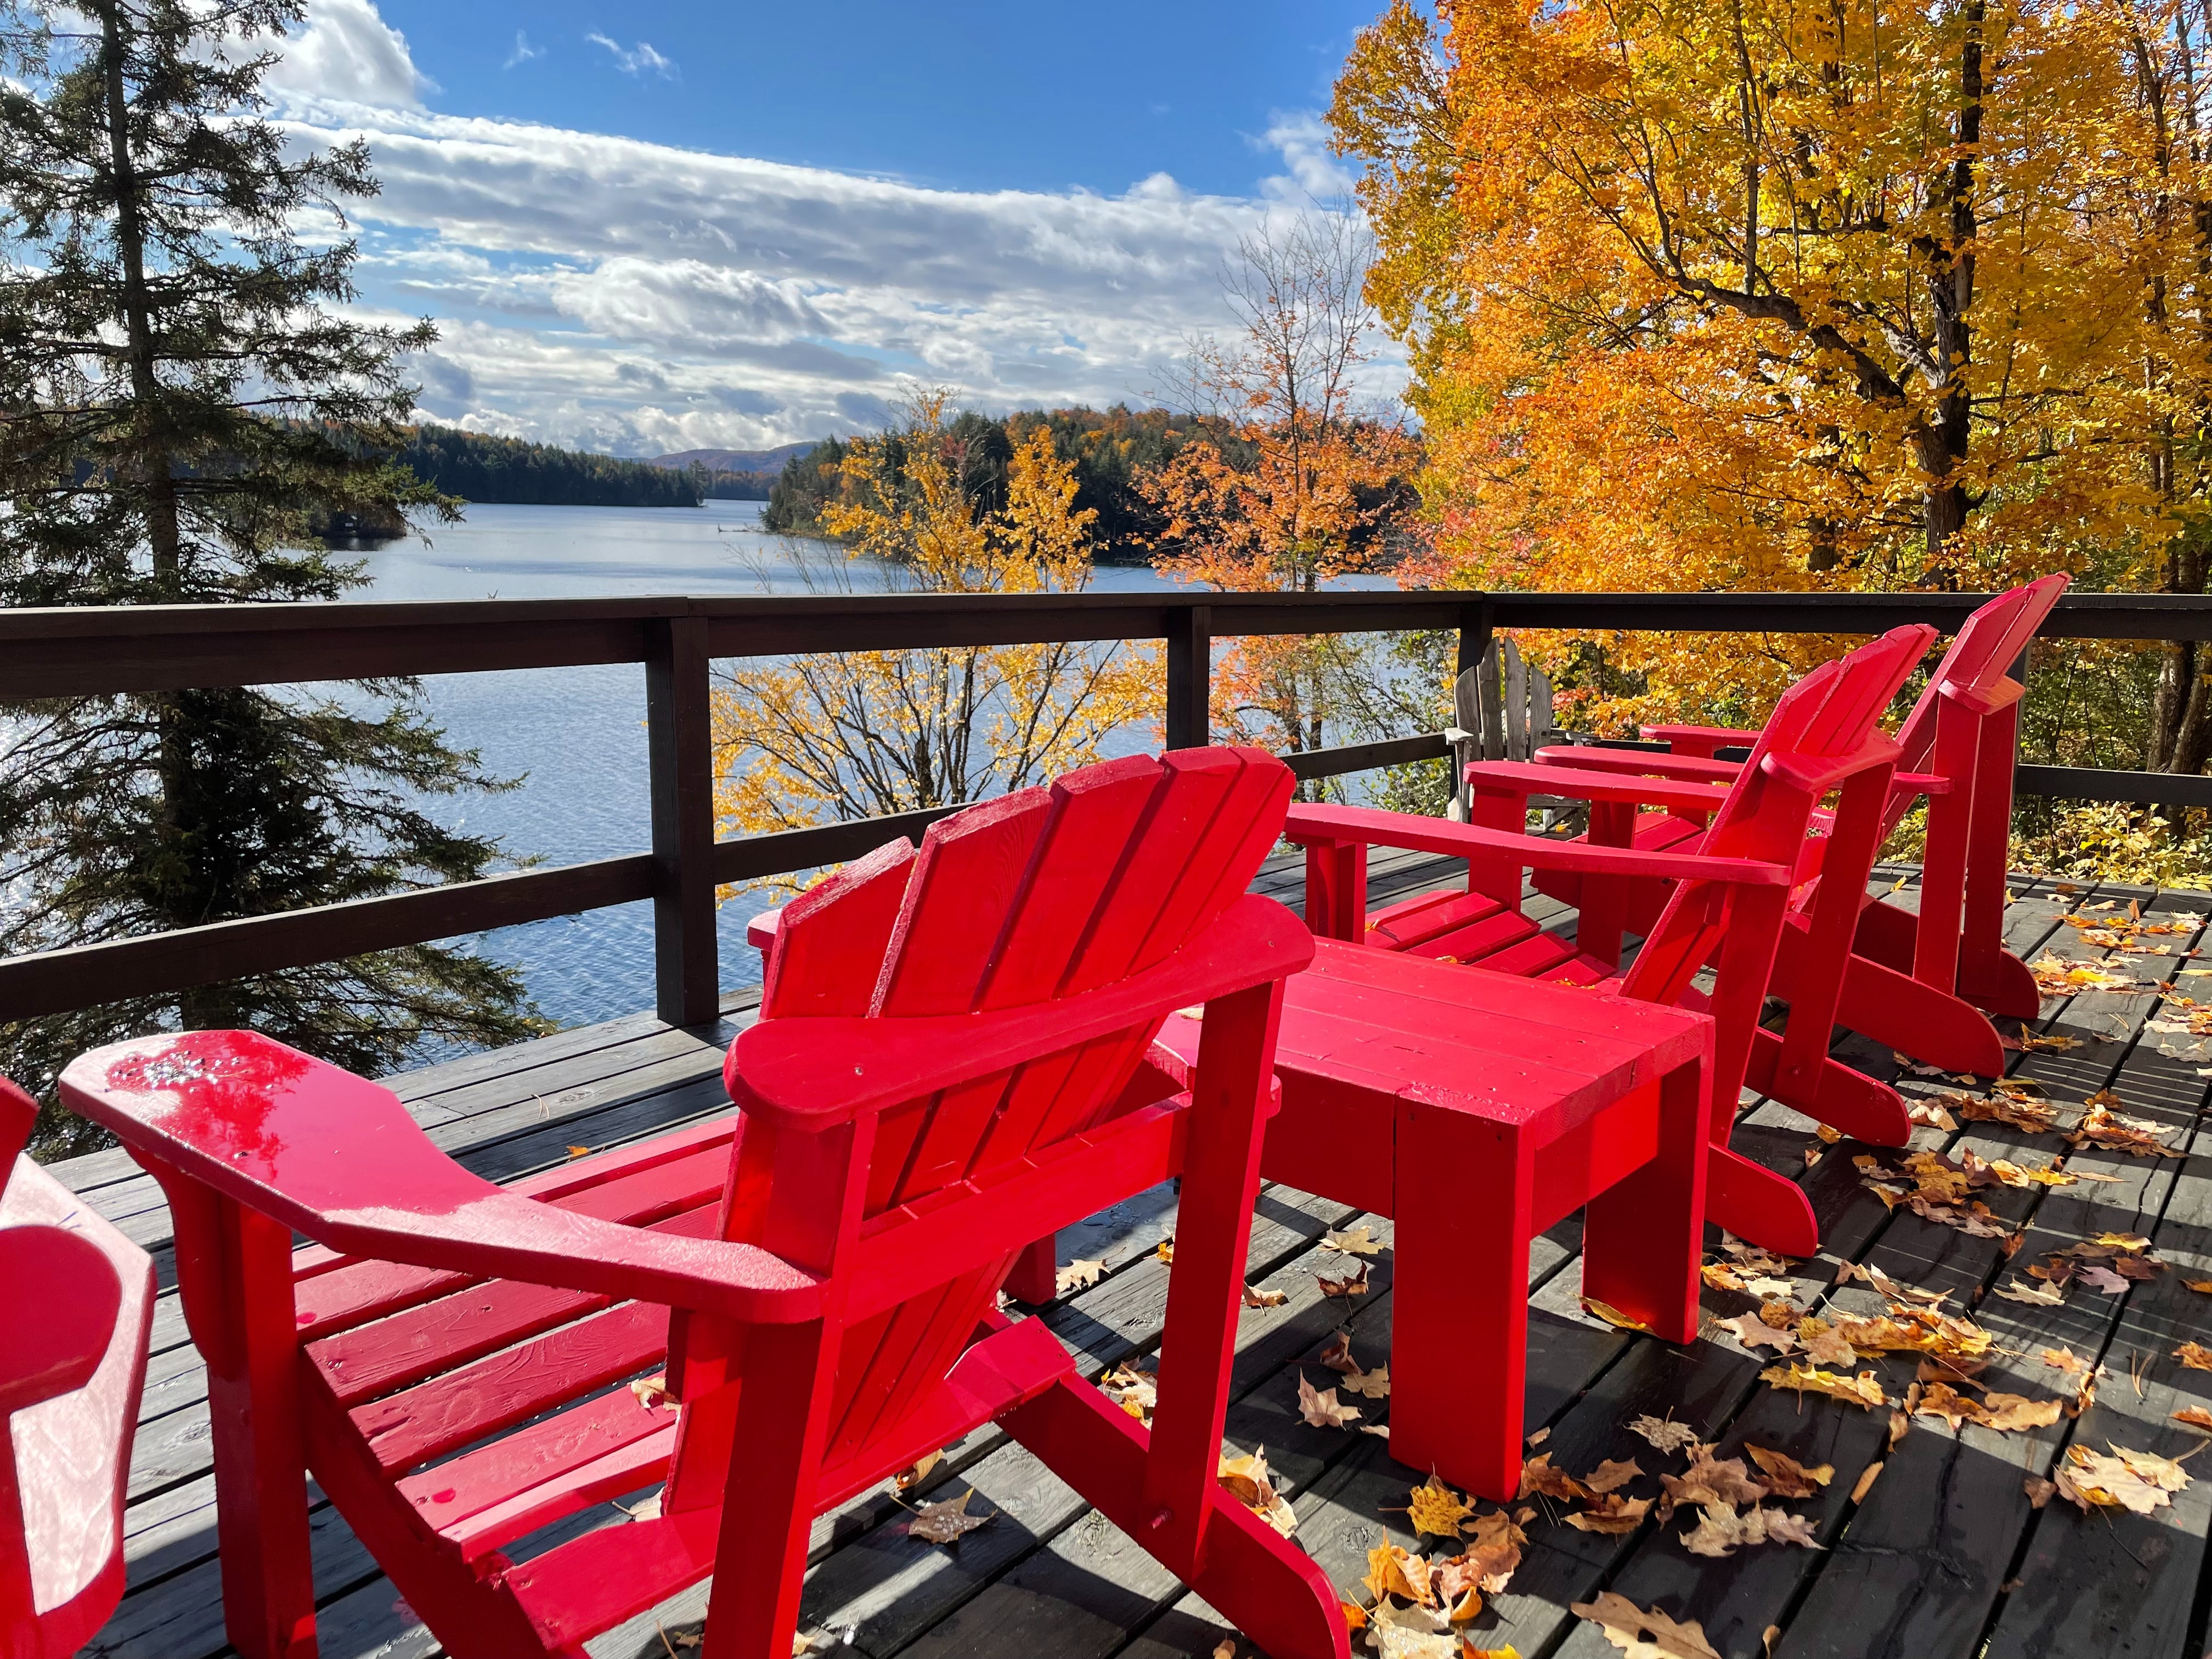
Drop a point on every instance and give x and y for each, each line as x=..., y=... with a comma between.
x=775, y=1068
x=338, y=1158
x=1988, y=700
x=1526, y=778
x=1373, y=827
x=1682, y=769
x=1909, y=784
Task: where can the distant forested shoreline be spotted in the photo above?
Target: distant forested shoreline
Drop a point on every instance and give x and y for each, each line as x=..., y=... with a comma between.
x=479, y=467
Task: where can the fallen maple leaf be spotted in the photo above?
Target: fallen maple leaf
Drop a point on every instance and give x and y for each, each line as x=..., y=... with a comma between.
x=1537, y=1475
x=1864, y=1484
x=1355, y=1285
x=1785, y=1476
x=2137, y=1481
x=1754, y=1332
x=2045, y=1296
x=2195, y=1355
x=1668, y=1436
x=1612, y=1315
x=2195, y=1416
x=1722, y=1531
x=2101, y=1125
x=1136, y=1392
x=2013, y=1413
x=1612, y=1475
x=1257, y=1298
x=1635, y=1630
x=948, y=1520
x=1611, y=1513
x=1435, y=1510
x=1165, y=1249
x=1320, y=1408
x=912, y=1476
x=1392, y=1570
x=1370, y=1385
x=2202, y=1286
x=1720, y=1481
x=1489, y=1562
x=1253, y=1484
x=1078, y=1276
x=1357, y=1241
x=2036, y=1116
x=578, y=1152
x=2102, y=1278
x=652, y=1392
x=1861, y=1390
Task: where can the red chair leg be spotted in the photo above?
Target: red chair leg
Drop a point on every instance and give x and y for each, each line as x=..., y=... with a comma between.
x=234, y=1268
x=1459, y=1330
x=768, y=1506
x=1642, y=1237
x=1932, y=1026
x=1832, y=1092
x=1036, y=1276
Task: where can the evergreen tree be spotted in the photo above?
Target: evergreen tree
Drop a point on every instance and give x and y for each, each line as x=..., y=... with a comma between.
x=179, y=409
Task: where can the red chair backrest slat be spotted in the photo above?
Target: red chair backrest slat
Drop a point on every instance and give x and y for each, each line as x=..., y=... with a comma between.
x=1979, y=660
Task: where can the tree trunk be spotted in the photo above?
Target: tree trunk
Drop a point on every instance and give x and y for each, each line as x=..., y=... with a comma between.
x=1942, y=441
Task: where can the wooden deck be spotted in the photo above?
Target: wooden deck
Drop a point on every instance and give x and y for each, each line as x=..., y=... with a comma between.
x=1942, y=1557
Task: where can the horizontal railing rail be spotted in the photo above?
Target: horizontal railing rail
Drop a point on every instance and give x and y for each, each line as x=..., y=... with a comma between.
x=90, y=651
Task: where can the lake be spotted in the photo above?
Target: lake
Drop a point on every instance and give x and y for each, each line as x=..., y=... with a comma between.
x=576, y=736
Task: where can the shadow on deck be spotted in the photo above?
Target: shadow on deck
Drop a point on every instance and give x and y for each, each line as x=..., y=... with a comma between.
x=1932, y=1549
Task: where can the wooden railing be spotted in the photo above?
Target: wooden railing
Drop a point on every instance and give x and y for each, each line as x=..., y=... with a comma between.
x=90, y=651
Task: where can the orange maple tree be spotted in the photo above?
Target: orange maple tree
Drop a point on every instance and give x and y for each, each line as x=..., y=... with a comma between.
x=1744, y=295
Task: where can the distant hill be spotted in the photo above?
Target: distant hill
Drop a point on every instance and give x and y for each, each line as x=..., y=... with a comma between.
x=481, y=468
x=734, y=461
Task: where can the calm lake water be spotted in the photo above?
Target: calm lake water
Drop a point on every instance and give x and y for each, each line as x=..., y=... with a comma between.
x=576, y=736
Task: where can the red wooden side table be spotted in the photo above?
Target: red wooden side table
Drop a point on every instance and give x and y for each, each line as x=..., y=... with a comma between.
x=1478, y=1110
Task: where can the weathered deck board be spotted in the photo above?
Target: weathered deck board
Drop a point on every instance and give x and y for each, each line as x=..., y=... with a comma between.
x=1942, y=1558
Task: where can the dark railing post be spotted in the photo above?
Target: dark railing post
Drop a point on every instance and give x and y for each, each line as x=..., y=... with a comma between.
x=685, y=977
x=1475, y=630
x=1190, y=677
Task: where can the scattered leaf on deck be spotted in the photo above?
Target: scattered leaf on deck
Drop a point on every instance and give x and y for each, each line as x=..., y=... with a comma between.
x=1489, y=1562
x=2138, y=1481
x=1634, y=1631
x=1668, y=1436
x=2103, y=1125
x=1369, y=1385
x=1613, y=1513
x=578, y=1152
x=2195, y=1416
x=1785, y=1476
x=1861, y=1390
x=1356, y=1241
x=652, y=1392
x=1537, y=1475
x=1724, y=1482
x=1612, y=1475
x=1755, y=1333
x=1320, y=1408
x=1346, y=1288
x=1078, y=1276
x=1134, y=1391
x=1392, y=1570
x=2202, y=1286
x=907, y=1479
x=944, y=1521
x=1253, y=1484
x=2044, y=1296
x=1721, y=1531
x=1865, y=1482
x=1612, y=1315
x=1258, y=1298
x=1435, y=1510
x=2195, y=1355
x=2102, y=1278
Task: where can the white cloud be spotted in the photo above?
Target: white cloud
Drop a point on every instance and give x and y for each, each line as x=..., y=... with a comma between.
x=605, y=291
x=348, y=54
x=1303, y=143
x=523, y=52
x=637, y=61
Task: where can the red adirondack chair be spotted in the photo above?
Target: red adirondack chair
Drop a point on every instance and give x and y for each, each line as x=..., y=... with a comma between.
x=1915, y=979
x=955, y=1057
x=1822, y=738
x=77, y=1300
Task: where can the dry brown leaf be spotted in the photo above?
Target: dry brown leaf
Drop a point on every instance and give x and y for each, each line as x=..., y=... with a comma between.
x=2202, y=1286
x=1353, y=1241
x=945, y=1521
x=1537, y=1475
x=1861, y=1390
x=1491, y=1559
x=578, y=1152
x=1900, y=1423
x=1612, y=1475
x=2103, y=1125
x=1136, y=1392
x=1435, y=1510
x=1224, y=1649
x=1320, y=1408
x=2038, y=1490
x=1395, y=1571
x=1165, y=1249
x=1667, y=1436
x=907, y=1479
x=1371, y=1385
x=2195, y=1355
x=2137, y=1481
x=1253, y=1484
x=1078, y=1275
x=1635, y=1630
x=1611, y=1513
x=1785, y=1476
x=652, y=1392
x=1258, y=1298
x=1864, y=1484
x=1724, y=1482
x=1346, y=1288
x=1722, y=1531
x=2195, y=1416
x=2014, y=1413
x=1612, y=1315
x=2042, y=1296
x=2064, y=1359
x=1755, y=1333
x=2036, y=1116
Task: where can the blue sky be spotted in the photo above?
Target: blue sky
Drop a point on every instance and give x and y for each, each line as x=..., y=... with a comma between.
x=977, y=96
x=673, y=227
